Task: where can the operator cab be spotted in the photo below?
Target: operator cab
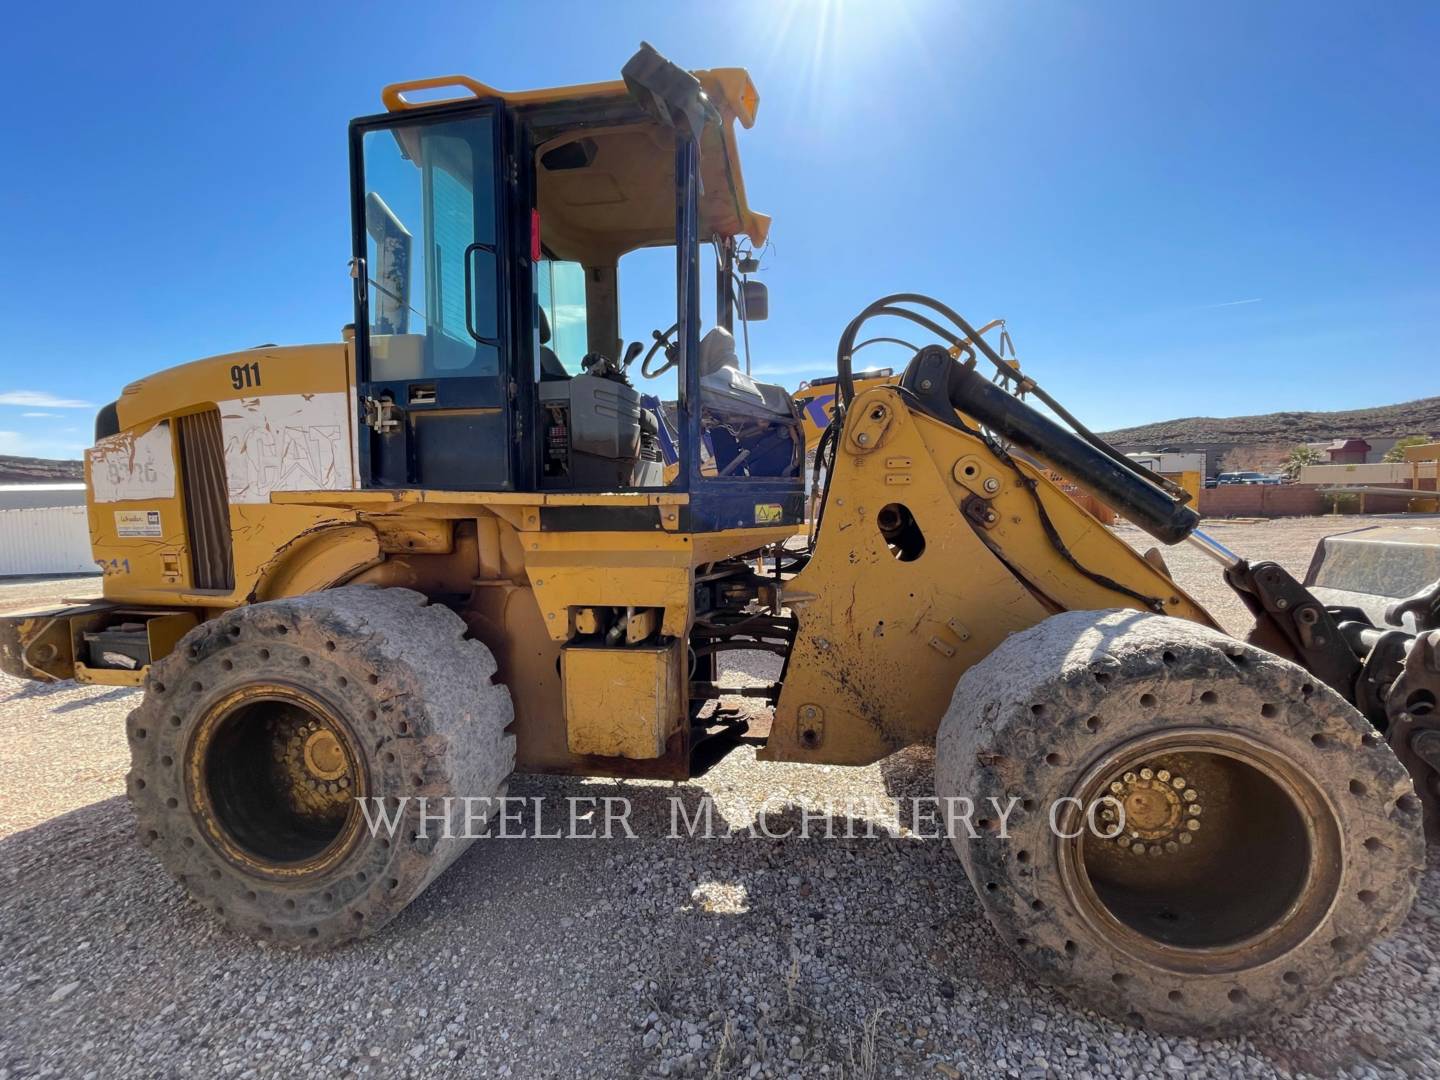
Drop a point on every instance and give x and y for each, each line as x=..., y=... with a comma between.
x=490, y=237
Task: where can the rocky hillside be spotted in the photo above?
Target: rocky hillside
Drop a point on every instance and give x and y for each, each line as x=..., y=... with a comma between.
x=1420, y=417
x=29, y=470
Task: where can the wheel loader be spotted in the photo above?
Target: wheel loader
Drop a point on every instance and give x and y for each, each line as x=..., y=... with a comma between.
x=461, y=543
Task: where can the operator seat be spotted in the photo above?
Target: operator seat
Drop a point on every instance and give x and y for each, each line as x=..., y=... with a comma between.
x=551, y=369
x=723, y=384
x=717, y=350
x=750, y=426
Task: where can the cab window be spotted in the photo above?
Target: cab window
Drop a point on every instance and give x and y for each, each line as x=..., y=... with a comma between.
x=430, y=225
x=561, y=288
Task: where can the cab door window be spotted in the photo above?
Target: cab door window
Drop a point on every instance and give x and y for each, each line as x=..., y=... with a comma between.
x=430, y=226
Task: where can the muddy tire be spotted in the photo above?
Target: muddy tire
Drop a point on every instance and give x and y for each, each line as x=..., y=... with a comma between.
x=1270, y=835
x=258, y=733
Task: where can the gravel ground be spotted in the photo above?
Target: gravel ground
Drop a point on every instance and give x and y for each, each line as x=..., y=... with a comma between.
x=617, y=958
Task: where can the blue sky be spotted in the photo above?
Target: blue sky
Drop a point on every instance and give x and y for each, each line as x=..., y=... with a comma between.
x=1212, y=209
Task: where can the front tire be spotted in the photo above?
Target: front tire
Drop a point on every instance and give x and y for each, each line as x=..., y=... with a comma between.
x=1271, y=837
x=260, y=732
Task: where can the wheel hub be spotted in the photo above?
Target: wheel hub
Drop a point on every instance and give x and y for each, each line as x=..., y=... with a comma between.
x=324, y=759
x=1161, y=811
x=274, y=776
x=312, y=759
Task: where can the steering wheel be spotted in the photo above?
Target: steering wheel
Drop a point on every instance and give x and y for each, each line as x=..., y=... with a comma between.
x=672, y=353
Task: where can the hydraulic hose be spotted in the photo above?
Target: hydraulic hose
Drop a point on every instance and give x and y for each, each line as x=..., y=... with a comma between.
x=845, y=383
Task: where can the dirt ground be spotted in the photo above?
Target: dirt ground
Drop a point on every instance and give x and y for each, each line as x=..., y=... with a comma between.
x=744, y=957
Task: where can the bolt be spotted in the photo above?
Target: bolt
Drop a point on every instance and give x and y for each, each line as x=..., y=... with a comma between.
x=863, y=438
x=925, y=384
x=992, y=485
x=991, y=516
x=1282, y=603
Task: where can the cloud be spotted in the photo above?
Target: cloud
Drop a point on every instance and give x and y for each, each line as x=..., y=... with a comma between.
x=41, y=399
x=41, y=415
x=16, y=444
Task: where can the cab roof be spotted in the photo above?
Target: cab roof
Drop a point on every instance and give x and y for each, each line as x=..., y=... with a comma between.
x=604, y=190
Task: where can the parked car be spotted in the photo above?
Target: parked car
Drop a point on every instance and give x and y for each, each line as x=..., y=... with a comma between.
x=1227, y=478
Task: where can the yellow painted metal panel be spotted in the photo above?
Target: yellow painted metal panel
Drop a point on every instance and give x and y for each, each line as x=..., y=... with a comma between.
x=622, y=702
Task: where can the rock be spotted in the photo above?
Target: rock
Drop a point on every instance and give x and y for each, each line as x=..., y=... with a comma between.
x=62, y=992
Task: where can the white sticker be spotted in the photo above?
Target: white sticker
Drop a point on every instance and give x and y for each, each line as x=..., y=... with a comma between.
x=129, y=467
x=286, y=442
x=138, y=523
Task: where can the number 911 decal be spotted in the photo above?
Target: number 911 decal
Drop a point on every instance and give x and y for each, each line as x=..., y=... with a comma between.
x=245, y=376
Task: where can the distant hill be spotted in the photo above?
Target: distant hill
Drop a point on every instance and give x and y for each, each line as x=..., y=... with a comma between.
x=29, y=470
x=1420, y=417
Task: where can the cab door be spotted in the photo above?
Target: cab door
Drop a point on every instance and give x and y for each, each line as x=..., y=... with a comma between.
x=433, y=340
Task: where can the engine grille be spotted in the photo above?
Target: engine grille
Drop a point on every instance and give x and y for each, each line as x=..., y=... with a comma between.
x=207, y=503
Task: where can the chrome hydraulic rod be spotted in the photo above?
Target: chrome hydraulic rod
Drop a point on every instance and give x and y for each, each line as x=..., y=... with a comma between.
x=1212, y=547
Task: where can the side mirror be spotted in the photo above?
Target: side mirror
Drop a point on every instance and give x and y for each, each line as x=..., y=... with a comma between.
x=754, y=301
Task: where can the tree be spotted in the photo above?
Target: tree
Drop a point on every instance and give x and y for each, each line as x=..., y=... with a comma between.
x=1300, y=457
x=1396, y=453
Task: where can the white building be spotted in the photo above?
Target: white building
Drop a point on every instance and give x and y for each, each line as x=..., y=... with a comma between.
x=1170, y=461
x=44, y=530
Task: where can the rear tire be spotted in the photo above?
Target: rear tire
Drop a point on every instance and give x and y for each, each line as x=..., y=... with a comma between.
x=1304, y=837
x=259, y=731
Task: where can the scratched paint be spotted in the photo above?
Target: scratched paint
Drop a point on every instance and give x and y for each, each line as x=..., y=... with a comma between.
x=127, y=466
x=286, y=442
